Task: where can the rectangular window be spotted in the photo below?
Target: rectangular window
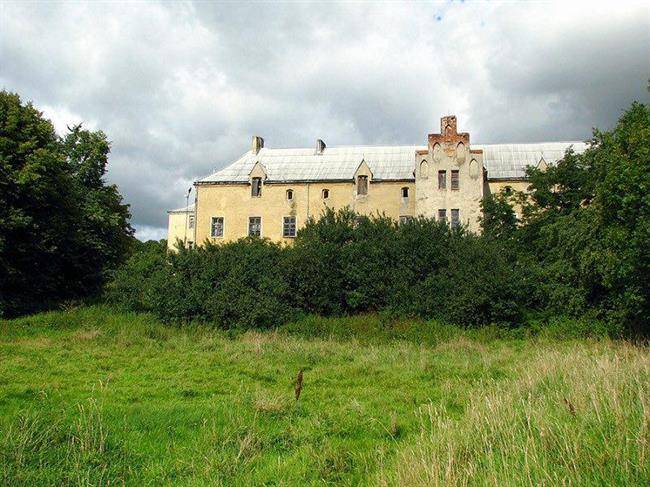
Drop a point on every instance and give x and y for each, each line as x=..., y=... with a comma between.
x=442, y=215
x=362, y=184
x=454, y=179
x=255, y=226
x=442, y=179
x=405, y=192
x=256, y=188
x=405, y=219
x=216, y=227
x=190, y=221
x=455, y=218
x=289, y=226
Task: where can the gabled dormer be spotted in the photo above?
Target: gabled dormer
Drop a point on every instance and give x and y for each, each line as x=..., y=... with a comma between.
x=256, y=178
x=362, y=178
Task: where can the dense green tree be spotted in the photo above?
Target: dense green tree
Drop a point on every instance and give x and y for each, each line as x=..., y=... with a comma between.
x=61, y=226
x=588, y=222
x=498, y=218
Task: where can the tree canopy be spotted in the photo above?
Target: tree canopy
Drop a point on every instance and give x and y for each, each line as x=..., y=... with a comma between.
x=61, y=226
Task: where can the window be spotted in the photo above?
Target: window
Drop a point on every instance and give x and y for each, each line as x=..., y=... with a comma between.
x=405, y=192
x=256, y=188
x=190, y=245
x=255, y=226
x=190, y=221
x=289, y=194
x=289, y=226
x=216, y=227
x=442, y=179
x=362, y=184
x=455, y=218
x=454, y=179
x=405, y=219
x=325, y=194
x=442, y=215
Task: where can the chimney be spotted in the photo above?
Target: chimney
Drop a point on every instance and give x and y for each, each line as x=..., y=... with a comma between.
x=320, y=146
x=258, y=143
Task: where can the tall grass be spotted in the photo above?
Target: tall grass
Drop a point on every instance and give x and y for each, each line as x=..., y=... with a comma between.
x=94, y=397
x=580, y=418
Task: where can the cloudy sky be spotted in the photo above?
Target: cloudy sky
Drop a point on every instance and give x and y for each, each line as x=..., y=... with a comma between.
x=180, y=87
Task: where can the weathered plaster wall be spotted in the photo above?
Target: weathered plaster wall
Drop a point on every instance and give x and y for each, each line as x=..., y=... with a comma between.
x=235, y=204
x=177, y=223
x=449, y=151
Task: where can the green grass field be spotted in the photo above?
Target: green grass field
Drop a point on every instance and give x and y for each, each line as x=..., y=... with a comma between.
x=94, y=397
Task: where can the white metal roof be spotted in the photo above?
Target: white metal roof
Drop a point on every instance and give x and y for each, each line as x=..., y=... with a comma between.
x=509, y=161
x=502, y=161
x=336, y=163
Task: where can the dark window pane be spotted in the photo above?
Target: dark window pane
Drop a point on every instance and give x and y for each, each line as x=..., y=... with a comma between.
x=455, y=218
x=362, y=185
x=454, y=179
x=289, y=226
x=256, y=188
x=442, y=179
x=255, y=226
x=216, y=229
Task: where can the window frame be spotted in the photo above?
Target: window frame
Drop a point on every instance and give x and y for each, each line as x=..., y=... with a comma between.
x=455, y=222
x=289, y=194
x=442, y=215
x=456, y=179
x=404, y=219
x=223, y=226
x=259, y=225
x=191, y=220
x=363, y=178
x=325, y=193
x=405, y=189
x=295, y=226
x=256, y=184
x=442, y=182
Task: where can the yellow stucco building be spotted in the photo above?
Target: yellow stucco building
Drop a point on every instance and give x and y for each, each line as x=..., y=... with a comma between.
x=272, y=192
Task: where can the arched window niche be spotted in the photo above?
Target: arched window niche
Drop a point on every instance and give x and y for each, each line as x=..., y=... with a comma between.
x=460, y=153
x=424, y=169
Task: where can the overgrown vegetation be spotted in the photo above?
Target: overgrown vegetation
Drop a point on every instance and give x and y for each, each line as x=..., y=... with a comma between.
x=581, y=249
x=93, y=397
x=61, y=226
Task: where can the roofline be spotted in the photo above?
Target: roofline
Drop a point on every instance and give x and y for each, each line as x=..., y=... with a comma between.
x=301, y=181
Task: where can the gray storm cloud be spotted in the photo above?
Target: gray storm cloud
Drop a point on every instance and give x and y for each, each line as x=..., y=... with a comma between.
x=180, y=87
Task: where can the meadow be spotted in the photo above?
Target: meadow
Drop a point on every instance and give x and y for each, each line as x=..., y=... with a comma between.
x=91, y=396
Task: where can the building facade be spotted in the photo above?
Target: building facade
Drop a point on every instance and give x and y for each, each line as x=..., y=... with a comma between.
x=271, y=193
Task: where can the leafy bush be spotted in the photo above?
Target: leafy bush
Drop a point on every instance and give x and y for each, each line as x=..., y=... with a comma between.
x=340, y=264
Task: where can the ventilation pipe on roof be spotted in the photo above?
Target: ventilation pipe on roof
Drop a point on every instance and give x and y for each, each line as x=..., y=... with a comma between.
x=320, y=146
x=258, y=143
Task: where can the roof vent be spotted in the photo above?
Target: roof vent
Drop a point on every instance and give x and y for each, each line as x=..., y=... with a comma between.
x=320, y=146
x=258, y=143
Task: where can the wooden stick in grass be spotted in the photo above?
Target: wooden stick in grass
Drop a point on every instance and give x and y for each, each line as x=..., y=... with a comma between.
x=298, y=384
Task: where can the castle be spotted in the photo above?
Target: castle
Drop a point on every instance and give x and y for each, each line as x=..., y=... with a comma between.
x=272, y=192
